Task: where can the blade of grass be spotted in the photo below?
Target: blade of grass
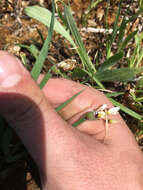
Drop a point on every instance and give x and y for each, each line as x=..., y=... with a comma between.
x=92, y=5
x=78, y=122
x=122, y=30
x=126, y=110
x=87, y=64
x=36, y=70
x=127, y=39
x=43, y=15
x=114, y=33
x=111, y=61
x=114, y=94
x=68, y=101
x=132, y=18
x=45, y=79
x=121, y=75
x=123, y=27
x=80, y=46
x=40, y=34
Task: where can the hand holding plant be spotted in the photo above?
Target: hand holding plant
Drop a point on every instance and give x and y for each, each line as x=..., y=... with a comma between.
x=67, y=157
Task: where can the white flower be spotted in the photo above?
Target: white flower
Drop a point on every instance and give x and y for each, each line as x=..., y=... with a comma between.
x=101, y=108
x=101, y=114
x=113, y=111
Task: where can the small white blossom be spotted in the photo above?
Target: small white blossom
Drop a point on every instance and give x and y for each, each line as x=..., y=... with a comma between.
x=113, y=111
x=101, y=108
x=101, y=114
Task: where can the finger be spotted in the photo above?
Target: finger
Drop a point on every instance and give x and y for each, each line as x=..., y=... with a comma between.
x=27, y=110
x=94, y=128
x=89, y=99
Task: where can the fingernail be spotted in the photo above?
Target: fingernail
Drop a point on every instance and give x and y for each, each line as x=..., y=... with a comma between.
x=10, y=71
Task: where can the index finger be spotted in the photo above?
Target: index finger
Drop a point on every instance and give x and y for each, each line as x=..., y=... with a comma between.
x=89, y=99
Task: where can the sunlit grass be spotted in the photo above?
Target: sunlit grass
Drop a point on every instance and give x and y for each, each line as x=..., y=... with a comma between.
x=111, y=71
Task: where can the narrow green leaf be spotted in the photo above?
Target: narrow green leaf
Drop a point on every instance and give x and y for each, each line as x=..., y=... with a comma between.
x=124, y=25
x=61, y=16
x=87, y=64
x=139, y=99
x=114, y=33
x=43, y=15
x=81, y=49
x=34, y=50
x=121, y=75
x=111, y=61
x=40, y=34
x=114, y=94
x=82, y=72
x=115, y=27
x=92, y=5
x=127, y=39
x=133, y=17
x=78, y=122
x=126, y=110
x=45, y=80
x=68, y=101
x=78, y=72
x=86, y=116
x=122, y=30
x=36, y=70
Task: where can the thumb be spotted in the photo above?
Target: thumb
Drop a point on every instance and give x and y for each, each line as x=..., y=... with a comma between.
x=27, y=110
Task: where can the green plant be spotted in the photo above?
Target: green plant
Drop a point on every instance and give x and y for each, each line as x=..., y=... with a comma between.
x=108, y=71
x=104, y=72
x=86, y=14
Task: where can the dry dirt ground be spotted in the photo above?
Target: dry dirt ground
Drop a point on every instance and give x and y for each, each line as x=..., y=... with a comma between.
x=17, y=28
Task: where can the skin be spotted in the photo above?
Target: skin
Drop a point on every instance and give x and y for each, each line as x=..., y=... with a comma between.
x=68, y=158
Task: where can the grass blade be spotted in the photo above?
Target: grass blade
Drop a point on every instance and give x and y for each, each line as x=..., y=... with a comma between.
x=40, y=34
x=114, y=33
x=78, y=122
x=120, y=75
x=87, y=64
x=68, y=101
x=44, y=51
x=127, y=39
x=45, y=79
x=111, y=61
x=114, y=94
x=122, y=30
x=126, y=110
x=80, y=46
x=132, y=18
x=92, y=5
x=43, y=15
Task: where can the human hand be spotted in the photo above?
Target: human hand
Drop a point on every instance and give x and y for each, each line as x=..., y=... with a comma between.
x=68, y=158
